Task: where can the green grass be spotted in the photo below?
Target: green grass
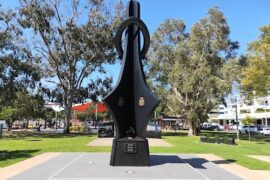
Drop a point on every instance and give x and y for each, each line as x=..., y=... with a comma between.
x=21, y=147
x=237, y=154
x=18, y=149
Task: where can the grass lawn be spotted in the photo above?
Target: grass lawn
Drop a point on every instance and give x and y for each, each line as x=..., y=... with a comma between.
x=13, y=150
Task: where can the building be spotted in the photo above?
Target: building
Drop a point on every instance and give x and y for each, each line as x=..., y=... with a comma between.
x=259, y=109
x=55, y=106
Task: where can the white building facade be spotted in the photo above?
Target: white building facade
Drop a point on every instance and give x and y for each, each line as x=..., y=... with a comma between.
x=259, y=109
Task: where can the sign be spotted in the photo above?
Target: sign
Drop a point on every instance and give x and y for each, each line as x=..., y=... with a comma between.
x=130, y=148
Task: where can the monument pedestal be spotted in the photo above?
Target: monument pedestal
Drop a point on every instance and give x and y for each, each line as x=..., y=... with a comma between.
x=130, y=152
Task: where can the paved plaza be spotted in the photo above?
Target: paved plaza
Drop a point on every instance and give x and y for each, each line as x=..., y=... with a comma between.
x=91, y=166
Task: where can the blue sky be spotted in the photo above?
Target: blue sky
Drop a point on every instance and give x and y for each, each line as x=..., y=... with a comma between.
x=244, y=17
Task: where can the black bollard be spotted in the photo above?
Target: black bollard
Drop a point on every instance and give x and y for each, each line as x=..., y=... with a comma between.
x=220, y=140
x=231, y=141
x=131, y=102
x=203, y=139
x=1, y=131
x=212, y=140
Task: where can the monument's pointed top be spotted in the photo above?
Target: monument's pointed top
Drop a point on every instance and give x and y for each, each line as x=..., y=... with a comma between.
x=133, y=1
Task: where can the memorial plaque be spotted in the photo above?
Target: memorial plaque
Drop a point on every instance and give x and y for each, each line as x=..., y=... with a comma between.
x=131, y=102
x=130, y=148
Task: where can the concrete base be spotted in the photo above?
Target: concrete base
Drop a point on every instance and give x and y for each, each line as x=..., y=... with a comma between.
x=90, y=166
x=130, y=152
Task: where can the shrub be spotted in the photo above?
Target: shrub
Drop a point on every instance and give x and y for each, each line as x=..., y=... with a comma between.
x=243, y=111
x=260, y=110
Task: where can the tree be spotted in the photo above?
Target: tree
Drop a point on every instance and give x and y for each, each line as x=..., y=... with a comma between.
x=8, y=114
x=18, y=72
x=197, y=68
x=248, y=121
x=22, y=106
x=256, y=76
x=17, y=64
x=72, y=38
x=48, y=115
x=82, y=116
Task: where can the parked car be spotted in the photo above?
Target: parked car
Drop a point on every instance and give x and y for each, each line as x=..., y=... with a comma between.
x=247, y=129
x=220, y=128
x=228, y=127
x=264, y=131
x=259, y=127
x=211, y=127
x=106, y=130
x=3, y=123
x=234, y=127
x=153, y=131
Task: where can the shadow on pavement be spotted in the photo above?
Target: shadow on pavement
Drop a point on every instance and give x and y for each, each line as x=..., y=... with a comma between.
x=227, y=161
x=156, y=160
x=4, y=155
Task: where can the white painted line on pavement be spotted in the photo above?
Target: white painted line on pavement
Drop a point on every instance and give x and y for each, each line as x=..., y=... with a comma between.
x=68, y=164
x=195, y=169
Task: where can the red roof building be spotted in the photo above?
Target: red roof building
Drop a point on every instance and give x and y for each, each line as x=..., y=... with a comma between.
x=84, y=107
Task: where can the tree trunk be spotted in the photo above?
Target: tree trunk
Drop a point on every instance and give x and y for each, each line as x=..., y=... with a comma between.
x=68, y=108
x=45, y=124
x=67, y=118
x=9, y=124
x=192, y=128
x=9, y=127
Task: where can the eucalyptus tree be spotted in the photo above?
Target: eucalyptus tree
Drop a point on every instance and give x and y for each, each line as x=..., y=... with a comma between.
x=73, y=38
x=196, y=69
x=256, y=75
x=17, y=64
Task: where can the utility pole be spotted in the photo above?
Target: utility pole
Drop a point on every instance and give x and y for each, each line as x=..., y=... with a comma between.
x=236, y=117
x=96, y=114
x=56, y=120
x=266, y=123
x=96, y=111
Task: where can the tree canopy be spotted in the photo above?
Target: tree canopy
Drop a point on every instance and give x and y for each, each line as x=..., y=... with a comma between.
x=197, y=68
x=17, y=67
x=72, y=38
x=256, y=75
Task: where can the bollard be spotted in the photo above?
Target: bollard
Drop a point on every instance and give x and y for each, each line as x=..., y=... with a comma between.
x=220, y=140
x=1, y=131
x=231, y=141
x=212, y=140
x=203, y=139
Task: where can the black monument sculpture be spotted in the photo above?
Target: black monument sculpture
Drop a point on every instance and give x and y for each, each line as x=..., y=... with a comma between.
x=131, y=102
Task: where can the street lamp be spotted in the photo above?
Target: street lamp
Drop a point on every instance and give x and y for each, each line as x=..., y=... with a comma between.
x=236, y=117
x=266, y=123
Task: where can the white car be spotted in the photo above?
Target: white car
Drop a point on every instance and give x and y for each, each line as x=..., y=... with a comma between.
x=220, y=128
x=153, y=127
x=153, y=131
x=247, y=129
x=234, y=127
x=3, y=123
x=265, y=131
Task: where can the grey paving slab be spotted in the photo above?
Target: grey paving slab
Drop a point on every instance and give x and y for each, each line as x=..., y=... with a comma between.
x=90, y=166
